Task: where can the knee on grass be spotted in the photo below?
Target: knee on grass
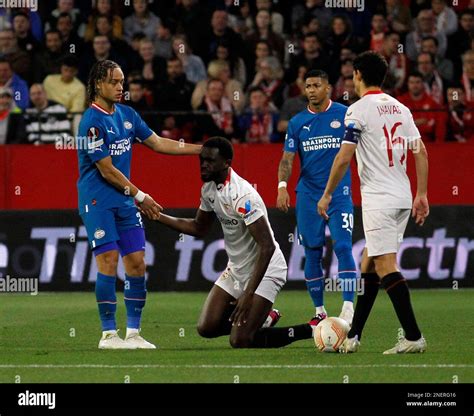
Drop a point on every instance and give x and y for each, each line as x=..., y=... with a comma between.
x=241, y=341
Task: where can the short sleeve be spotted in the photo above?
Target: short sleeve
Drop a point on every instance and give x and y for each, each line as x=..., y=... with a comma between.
x=205, y=203
x=354, y=125
x=142, y=131
x=412, y=132
x=95, y=143
x=249, y=208
x=291, y=140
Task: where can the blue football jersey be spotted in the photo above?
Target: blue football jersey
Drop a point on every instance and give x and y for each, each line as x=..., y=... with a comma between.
x=102, y=134
x=317, y=138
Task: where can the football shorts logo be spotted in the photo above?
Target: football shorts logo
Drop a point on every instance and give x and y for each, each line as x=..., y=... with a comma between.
x=99, y=234
x=335, y=124
x=127, y=125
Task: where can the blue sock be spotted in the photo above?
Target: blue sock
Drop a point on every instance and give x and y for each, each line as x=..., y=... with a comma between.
x=106, y=300
x=135, y=296
x=313, y=272
x=347, y=270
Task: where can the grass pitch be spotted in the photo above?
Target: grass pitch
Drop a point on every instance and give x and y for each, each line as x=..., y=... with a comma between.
x=53, y=337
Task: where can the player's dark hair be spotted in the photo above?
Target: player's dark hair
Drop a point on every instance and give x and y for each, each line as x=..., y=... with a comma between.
x=221, y=143
x=99, y=72
x=372, y=67
x=316, y=73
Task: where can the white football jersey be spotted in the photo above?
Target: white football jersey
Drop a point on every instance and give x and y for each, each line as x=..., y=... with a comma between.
x=383, y=129
x=237, y=205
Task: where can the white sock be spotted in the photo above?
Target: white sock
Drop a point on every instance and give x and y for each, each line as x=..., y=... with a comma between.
x=110, y=331
x=348, y=305
x=320, y=309
x=131, y=331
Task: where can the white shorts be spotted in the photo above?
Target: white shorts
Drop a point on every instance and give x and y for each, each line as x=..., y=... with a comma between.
x=384, y=229
x=268, y=288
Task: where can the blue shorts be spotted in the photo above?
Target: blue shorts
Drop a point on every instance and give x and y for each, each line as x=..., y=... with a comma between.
x=312, y=227
x=115, y=229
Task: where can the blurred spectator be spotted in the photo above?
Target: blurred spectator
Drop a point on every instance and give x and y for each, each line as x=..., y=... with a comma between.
x=379, y=27
x=270, y=79
x=46, y=120
x=237, y=66
x=72, y=43
x=241, y=20
x=348, y=96
x=314, y=8
x=219, y=69
x=220, y=121
x=263, y=31
x=259, y=119
x=262, y=50
x=104, y=26
x=12, y=123
x=152, y=67
x=17, y=85
x=65, y=88
x=175, y=94
x=101, y=50
x=6, y=18
x=312, y=57
x=103, y=8
x=398, y=16
x=164, y=39
x=346, y=71
x=446, y=20
x=435, y=85
x=310, y=25
x=142, y=20
x=340, y=36
x=397, y=63
x=221, y=32
x=468, y=75
x=22, y=29
x=425, y=26
x=276, y=19
x=66, y=7
x=20, y=61
x=297, y=87
x=461, y=115
x=429, y=117
x=48, y=60
x=192, y=64
x=460, y=41
x=136, y=96
x=443, y=65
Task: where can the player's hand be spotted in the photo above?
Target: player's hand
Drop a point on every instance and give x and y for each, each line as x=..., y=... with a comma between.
x=283, y=199
x=150, y=208
x=323, y=206
x=421, y=209
x=242, y=308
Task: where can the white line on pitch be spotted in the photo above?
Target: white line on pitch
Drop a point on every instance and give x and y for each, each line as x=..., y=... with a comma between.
x=242, y=366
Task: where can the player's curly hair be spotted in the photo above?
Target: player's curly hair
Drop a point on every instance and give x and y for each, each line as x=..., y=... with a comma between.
x=99, y=73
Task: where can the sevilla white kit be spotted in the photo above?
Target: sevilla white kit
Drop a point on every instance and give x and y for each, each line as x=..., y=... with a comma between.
x=383, y=129
x=237, y=205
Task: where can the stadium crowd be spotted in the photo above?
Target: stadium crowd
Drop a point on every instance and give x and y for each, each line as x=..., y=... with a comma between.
x=196, y=69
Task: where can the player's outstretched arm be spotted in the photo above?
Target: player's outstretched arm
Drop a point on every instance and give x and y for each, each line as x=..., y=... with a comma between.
x=260, y=231
x=421, y=207
x=197, y=227
x=117, y=179
x=338, y=170
x=171, y=147
x=284, y=173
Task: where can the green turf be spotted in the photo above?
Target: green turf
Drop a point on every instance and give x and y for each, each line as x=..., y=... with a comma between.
x=36, y=330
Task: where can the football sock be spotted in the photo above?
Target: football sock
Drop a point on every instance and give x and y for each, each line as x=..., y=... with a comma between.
x=135, y=296
x=396, y=287
x=365, y=301
x=347, y=270
x=313, y=272
x=106, y=301
x=279, y=337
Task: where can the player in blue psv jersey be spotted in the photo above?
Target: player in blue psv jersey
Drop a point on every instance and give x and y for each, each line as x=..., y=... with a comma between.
x=107, y=199
x=316, y=134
